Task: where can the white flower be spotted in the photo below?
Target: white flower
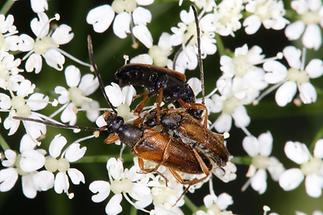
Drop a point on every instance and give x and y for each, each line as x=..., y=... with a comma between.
x=267, y=12
x=259, y=150
x=46, y=44
x=231, y=107
x=248, y=78
x=216, y=205
x=316, y=212
x=8, y=39
x=24, y=164
x=18, y=105
x=157, y=54
x=226, y=173
x=127, y=12
x=121, y=98
x=186, y=32
x=227, y=17
x=297, y=76
x=311, y=167
x=75, y=96
x=9, y=70
x=39, y=5
x=58, y=163
x=310, y=19
x=123, y=183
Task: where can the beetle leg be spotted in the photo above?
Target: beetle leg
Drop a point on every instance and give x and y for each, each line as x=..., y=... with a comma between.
x=197, y=106
x=111, y=139
x=141, y=105
x=146, y=170
x=159, y=100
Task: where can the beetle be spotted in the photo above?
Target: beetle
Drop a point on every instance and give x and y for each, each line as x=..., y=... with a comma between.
x=168, y=85
x=180, y=124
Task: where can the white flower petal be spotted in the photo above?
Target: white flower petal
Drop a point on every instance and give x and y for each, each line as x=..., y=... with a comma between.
x=142, y=58
x=224, y=200
x=27, y=143
x=144, y=2
x=293, y=56
x=89, y=84
x=40, y=25
x=63, y=34
x=43, y=180
x=115, y=94
x=5, y=102
x=37, y=101
x=121, y=25
x=11, y=157
x=318, y=150
x=223, y=123
x=314, y=68
x=314, y=185
x=61, y=183
x=28, y=187
x=74, y=152
x=8, y=178
x=54, y=59
x=276, y=72
x=113, y=207
x=100, y=17
x=101, y=189
x=69, y=114
x=142, y=33
x=241, y=117
x=92, y=110
x=115, y=168
x=141, y=16
x=250, y=145
x=307, y=93
x=34, y=129
x=34, y=63
x=72, y=76
x=31, y=160
x=297, y=152
x=312, y=37
x=290, y=179
x=294, y=30
x=76, y=176
x=285, y=93
x=39, y=5
x=266, y=143
x=259, y=181
x=56, y=145
x=63, y=98
x=26, y=43
x=128, y=92
x=196, y=85
x=252, y=24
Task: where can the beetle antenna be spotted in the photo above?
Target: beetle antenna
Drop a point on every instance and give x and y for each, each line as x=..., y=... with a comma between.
x=94, y=69
x=54, y=124
x=198, y=33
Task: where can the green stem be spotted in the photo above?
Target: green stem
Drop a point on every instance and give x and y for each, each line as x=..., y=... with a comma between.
x=190, y=204
x=133, y=211
x=246, y=160
x=3, y=143
x=6, y=7
x=221, y=49
x=318, y=135
x=103, y=158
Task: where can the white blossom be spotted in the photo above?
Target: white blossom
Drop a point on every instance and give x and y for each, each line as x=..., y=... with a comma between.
x=259, y=149
x=216, y=204
x=128, y=18
x=76, y=96
x=308, y=24
x=9, y=77
x=39, y=5
x=45, y=45
x=58, y=164
x=24, y=164
x=8, y=38
x=123, y=183
x=296, y=76
x=311, y=168
x=269, y=13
